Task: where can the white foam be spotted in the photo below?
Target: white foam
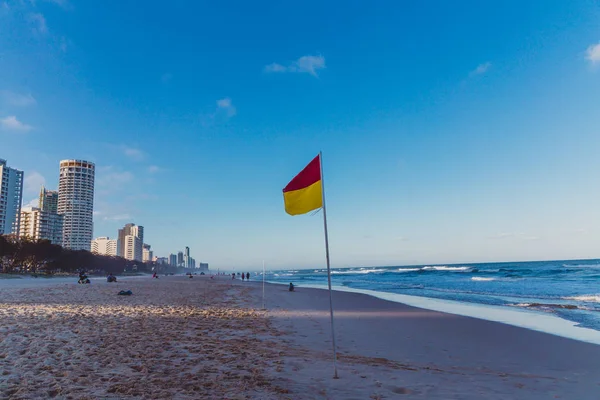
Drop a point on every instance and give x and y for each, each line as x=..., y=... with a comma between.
x=590, y=298
x=444, y=268
x=360, y=271
x=408, y=269
x=481, y=278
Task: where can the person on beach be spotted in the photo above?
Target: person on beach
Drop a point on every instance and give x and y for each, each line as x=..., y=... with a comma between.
x=242, y=276
x=233, y=275
x=83, y=278
x=291, y=288
x=111, y=278
x=247, y=276
x=155, y=275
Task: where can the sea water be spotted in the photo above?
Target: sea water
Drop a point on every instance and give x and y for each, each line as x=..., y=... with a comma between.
x=566, y=289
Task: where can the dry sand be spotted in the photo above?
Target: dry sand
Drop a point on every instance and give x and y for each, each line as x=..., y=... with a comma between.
x=180, y=338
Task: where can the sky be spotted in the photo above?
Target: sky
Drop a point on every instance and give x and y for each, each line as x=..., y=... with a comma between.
x=451, y=132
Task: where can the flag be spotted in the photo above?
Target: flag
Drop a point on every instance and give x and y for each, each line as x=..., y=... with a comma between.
x=304, y=193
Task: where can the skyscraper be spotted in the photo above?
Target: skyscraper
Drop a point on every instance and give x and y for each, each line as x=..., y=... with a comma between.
x=76, y=203
x=36, y=224
x=186, y=257
x=180, y=259
x=11, y=195
x=172, y=260
x=133, y=248
x=48, y=200
x=130, y=243
x=126, y=230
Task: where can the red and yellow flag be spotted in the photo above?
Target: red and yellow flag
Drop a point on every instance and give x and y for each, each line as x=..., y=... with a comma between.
x=304, y=193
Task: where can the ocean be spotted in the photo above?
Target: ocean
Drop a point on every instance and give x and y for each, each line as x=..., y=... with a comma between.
x=567, y=289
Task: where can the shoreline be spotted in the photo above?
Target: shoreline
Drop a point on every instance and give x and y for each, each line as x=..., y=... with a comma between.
x=521, y=318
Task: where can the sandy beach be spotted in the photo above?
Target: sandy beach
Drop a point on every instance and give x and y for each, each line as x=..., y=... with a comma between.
x=180, y=338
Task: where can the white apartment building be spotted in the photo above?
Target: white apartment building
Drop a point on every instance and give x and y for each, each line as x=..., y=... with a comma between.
x=11, y=195
x=104, y=246
x=147, y=254
x=36, y=224
x=133, y=248
x=76, y=203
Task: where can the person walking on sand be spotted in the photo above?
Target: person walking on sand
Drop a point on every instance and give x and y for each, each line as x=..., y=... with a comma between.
x=242, y=276
x=233, y=275
x=248, y=276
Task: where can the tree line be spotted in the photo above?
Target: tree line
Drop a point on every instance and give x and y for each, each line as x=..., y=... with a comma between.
x=24, y=255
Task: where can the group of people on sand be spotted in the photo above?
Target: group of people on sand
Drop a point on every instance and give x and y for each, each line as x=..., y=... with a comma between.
x=245, y=276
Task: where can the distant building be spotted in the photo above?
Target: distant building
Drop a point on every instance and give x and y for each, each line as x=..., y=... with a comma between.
x=76, y=203
x=186, y=257
x=104, y=246
x=133, y=248
x=180, y=259
x=203, y=267
x=128, y=229
x=48, y=200
x=147, y=254
x=36, y=224
x=162, y=260
x=11, y=196
x=172, y=260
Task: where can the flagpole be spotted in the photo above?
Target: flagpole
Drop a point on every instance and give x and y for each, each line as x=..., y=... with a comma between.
x=263, y=284
x=335, y=372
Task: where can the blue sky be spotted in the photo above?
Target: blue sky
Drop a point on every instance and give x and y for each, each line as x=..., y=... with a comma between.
x=452, y=131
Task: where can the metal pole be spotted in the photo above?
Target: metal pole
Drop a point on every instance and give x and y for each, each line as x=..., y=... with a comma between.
x=263, y=284
x=335, y=372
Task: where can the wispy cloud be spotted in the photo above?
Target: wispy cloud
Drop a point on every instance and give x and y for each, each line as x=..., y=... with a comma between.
x=481, y=69
x=305, y=64
x=33, y=182
x=63, y=44
x=39, y=23
x=153, y=169
x=16, y=99
x=32, y=203
x=513, y=235
x=117, y=217
x=62, y=3
x=133, y=153
x=226, y=106
x=593, y=53
x=11, y=123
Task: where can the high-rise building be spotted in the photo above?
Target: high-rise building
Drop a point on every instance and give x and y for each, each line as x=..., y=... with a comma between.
x=128, y=229
x=133, y=248
x=11, y=195
x=147, y=254
x=186, y=257
x=48, y=200
x=180, y=259
x=36, y=224
x=172, y=260
x=76, y=203
x=104, y=246
x=203, y=266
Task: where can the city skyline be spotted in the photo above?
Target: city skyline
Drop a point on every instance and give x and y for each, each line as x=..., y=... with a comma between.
x=463, y=134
